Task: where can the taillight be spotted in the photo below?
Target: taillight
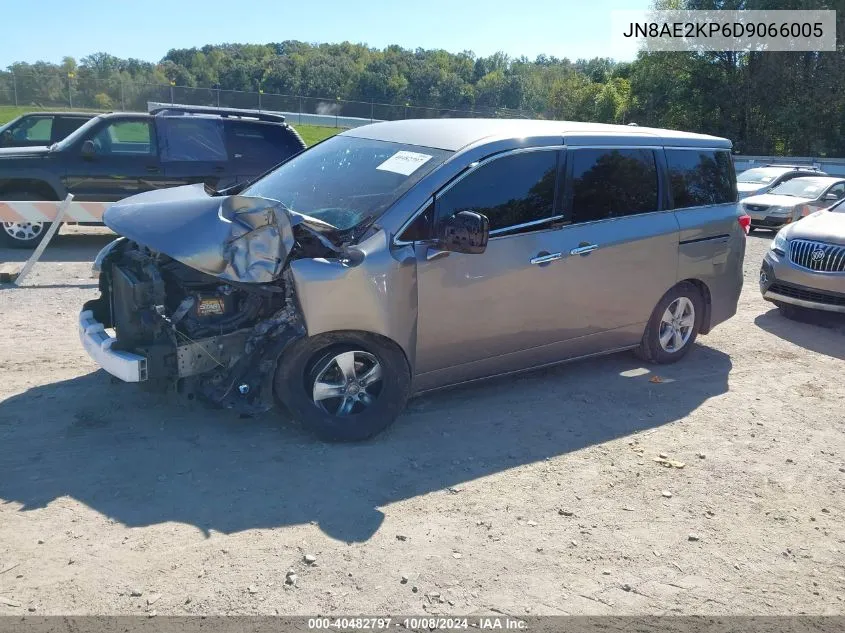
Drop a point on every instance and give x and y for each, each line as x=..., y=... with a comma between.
x=745, y=222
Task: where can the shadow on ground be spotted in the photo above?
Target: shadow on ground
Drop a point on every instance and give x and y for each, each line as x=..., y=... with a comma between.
x=143, y=458
x=817, y=331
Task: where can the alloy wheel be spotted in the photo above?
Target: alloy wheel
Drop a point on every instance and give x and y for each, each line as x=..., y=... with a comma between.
x=347, y=383
x=676, y=325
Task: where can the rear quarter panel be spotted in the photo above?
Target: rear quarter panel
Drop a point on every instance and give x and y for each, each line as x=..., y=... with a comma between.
x=712, y=250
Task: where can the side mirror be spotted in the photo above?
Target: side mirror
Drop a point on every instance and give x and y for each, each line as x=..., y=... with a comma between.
x=89, y=150
x=465, y=232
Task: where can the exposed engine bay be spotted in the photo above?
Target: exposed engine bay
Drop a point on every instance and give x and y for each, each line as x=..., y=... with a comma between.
x=200, y=325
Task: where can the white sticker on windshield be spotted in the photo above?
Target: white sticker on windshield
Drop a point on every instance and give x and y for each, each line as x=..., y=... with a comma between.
x=405, y=163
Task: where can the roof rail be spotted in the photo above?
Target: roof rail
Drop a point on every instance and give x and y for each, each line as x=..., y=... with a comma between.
x=807, y=167
x=261, y=115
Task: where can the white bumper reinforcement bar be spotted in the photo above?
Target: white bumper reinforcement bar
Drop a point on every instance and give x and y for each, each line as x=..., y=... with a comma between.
x=97, y=342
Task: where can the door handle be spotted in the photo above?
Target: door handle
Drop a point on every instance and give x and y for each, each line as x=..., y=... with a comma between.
x=545, y=258
x=586, y=249
x=152, y=168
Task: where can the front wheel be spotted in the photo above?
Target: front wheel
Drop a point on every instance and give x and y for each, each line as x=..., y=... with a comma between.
x=344, y=387
x=21, y=234
x=673, y=326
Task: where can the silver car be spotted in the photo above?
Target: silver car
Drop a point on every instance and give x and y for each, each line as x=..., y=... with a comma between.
x=793, y=200
x=759, y=180
x=805, y=266
x=403, y=257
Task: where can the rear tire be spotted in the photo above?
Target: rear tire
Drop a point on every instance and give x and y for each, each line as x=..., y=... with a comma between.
x=26, y=235
x=344, y=387
x=673, y=326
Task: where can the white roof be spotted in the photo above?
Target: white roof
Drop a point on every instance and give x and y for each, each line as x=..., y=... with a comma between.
x=454, y=134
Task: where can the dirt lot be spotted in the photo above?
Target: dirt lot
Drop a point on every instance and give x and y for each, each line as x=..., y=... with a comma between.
x=533, y=494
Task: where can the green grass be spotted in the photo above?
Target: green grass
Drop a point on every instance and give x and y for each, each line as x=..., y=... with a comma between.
x=7, y=113
x=315, y=133
x=311, y=134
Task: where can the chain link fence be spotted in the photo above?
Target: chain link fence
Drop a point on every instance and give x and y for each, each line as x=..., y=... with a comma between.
x=89, y=93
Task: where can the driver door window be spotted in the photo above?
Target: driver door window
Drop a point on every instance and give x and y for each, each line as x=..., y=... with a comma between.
x=837, y=190
x=125, y=138
x=516, y=192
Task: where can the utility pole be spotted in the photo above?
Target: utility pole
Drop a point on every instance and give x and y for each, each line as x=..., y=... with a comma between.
x=70, y=89
x=172, y=83
x=15, y=88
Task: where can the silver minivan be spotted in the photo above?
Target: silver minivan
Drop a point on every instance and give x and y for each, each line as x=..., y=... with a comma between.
x=403, y=257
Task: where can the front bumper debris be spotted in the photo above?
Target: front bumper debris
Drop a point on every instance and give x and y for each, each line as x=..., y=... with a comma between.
x=127, y=366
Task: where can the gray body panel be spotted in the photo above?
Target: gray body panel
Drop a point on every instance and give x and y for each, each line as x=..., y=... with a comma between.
x=461, y=317
x=711, y=250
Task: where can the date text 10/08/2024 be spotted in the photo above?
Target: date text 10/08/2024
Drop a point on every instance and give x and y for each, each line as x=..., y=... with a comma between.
x=415, y=623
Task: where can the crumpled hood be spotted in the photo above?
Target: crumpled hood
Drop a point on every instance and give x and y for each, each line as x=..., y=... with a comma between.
x=821, y=226
x=237, y=238
x=775, y=200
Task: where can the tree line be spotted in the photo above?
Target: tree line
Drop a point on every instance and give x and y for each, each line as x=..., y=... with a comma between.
x=790, y=103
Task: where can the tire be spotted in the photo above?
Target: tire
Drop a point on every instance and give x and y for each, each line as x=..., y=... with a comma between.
x=21, y=235
x=349, y=410
x=685, y=295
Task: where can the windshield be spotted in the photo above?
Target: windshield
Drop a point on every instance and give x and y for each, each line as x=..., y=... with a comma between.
x=346, y=180
x=757, y=176
x=80, y=132
x=799, y=188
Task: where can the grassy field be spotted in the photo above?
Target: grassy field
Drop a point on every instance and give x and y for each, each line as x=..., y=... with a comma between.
x=310, y=133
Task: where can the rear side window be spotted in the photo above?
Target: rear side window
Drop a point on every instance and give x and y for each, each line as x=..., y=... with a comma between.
x=511, y=191
x=700, y=177
x=187, y=138
x=34, y=130
x=259, y=143
x=612, y=183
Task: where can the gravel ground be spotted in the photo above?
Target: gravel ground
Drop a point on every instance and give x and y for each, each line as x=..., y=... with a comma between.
x=538, y=494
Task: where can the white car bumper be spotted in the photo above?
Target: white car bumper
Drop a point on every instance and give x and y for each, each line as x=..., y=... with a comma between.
x=97, y=342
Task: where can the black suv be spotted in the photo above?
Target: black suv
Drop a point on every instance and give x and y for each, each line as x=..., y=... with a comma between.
x=117, y=155
x=41, y=128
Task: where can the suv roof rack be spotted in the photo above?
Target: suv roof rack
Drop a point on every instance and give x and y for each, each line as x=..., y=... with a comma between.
x=807, y=167
x=261, y=115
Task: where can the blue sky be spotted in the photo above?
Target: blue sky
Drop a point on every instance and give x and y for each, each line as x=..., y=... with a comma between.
x=147, y=30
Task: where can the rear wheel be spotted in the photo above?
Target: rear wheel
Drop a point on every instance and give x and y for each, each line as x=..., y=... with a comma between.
x=344, y=387
x=673, y=326
x=21, y=234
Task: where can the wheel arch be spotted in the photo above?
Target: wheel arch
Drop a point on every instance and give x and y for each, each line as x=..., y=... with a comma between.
x=337, y=337
x=706, y=299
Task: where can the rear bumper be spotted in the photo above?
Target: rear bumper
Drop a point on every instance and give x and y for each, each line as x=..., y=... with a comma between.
x=97, y=342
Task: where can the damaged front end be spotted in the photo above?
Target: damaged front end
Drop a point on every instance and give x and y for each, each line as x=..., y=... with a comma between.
x=198, y=292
